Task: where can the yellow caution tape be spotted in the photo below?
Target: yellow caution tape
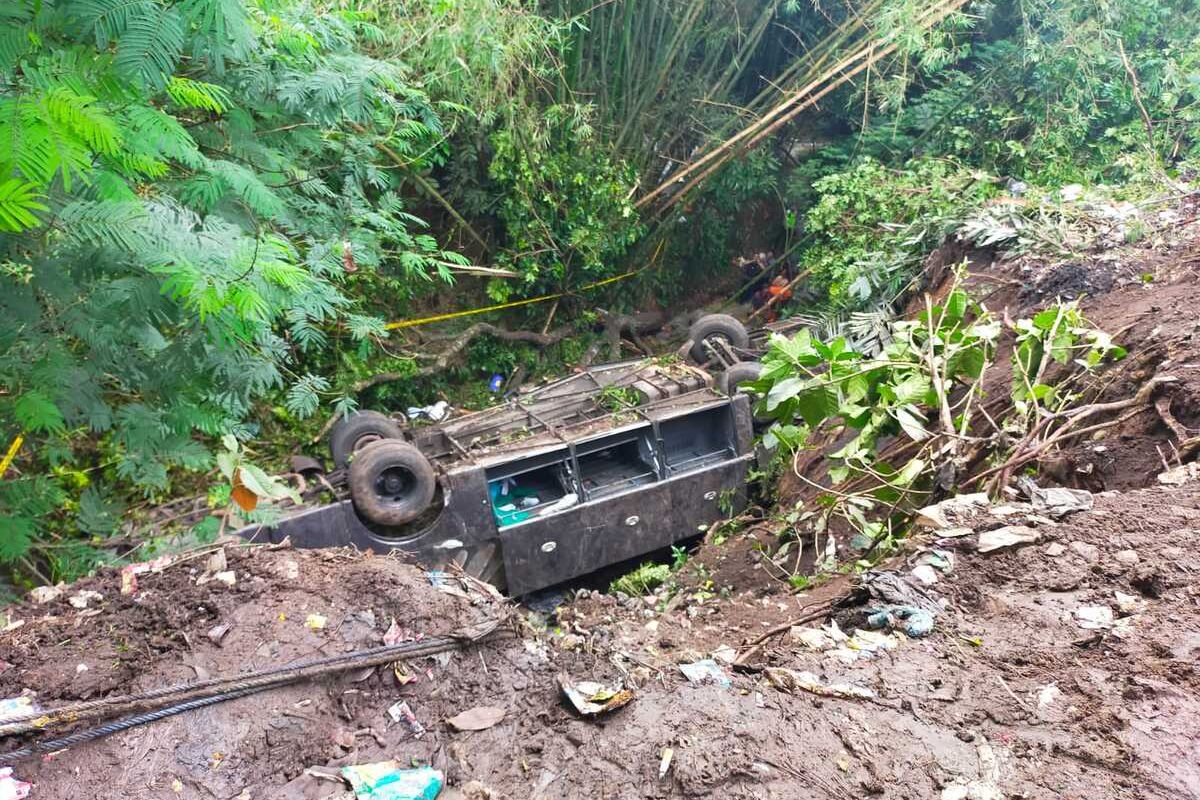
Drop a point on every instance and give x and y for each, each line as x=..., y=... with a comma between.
x=412, y=323
x=11, y=454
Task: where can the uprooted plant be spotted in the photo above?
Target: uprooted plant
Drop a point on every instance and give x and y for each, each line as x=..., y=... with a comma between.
x=902, y=425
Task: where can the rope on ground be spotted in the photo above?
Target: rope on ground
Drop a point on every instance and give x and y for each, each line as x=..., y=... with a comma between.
x=412, y=323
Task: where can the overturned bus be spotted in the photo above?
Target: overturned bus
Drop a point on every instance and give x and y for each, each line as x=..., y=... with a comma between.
x=593, y=469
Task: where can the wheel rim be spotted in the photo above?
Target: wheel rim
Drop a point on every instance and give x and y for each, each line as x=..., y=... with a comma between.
x=394, y=484
x=713, y=340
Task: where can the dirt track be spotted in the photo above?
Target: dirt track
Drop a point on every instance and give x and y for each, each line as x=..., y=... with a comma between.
x=1009, y=696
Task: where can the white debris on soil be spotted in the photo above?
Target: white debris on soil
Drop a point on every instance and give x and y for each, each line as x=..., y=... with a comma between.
x=1008, y=536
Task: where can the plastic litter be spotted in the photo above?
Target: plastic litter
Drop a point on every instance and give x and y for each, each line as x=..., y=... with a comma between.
x=496, y=383
x=953, y=512
x=401, y=712
x=725, y=654
x=435, y=413
x=46, y=594
x=11, y=788
x=786, y=680
x=387, y=781
x=925, y=573
x=1093, y=618
x=1008, y=536
x=592, y=699
x=664, y=763
x=893, y=589
x=706, y=671
x=1056, y=502
x=915, y=622
x=81, y=599
x=315, y=622
x=17, y=706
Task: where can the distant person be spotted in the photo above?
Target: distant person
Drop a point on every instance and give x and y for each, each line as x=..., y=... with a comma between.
x=778, y=293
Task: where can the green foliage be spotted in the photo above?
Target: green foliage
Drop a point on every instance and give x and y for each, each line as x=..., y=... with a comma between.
x=807, y=384
x=870, y=224
x=183, y=189
x=1061, y=335
x=924, y=387
x=1055, y=92
x=566, y=208
x=641, y=581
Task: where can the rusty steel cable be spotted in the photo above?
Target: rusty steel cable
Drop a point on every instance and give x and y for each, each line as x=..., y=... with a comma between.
x=248, y=683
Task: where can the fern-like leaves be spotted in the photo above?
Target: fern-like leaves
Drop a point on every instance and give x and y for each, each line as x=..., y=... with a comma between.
x=18, y=202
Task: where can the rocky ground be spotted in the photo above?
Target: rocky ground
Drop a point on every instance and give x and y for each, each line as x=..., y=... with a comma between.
x=1063, y=663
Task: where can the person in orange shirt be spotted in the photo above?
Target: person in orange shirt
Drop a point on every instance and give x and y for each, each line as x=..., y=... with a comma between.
x=778, y=293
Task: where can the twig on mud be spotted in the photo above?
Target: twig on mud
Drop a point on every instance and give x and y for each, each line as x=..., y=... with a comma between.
x=818, y=611
x=1011, y=693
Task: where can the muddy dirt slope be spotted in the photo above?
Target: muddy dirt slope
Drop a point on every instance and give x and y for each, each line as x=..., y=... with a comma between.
x=1066, y=667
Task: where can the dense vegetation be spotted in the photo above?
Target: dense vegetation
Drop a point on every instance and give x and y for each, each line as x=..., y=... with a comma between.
x=209, y=209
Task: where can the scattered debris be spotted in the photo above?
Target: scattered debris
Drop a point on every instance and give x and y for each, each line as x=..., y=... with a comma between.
x=81, y=599
x=987, y=787
x=1008, y=536
x=386, y=780
x=915, y=622
x=401, y=712
x=227, y=577
x=725, y=654
x=129, y=572
x=789, y=681
x=1094, y=617
x=664, y=763
x=315, y=622
x=1127, y=603
x=11, y=788
x=479, y=718
x=218, y=632
x=1127, y=557
x=953, y=512
x=1056, y=501
x=1047, y=695
x=593, y=699
x=436, y=412
x=706, y=671
x=1177, y=476
x=1089, y=552
x=46, y=594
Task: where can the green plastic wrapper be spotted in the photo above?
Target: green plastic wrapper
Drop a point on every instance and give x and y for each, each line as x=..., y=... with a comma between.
x=387, y=781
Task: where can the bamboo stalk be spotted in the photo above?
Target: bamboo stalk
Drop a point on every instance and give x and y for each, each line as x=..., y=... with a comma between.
x=804, y=98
